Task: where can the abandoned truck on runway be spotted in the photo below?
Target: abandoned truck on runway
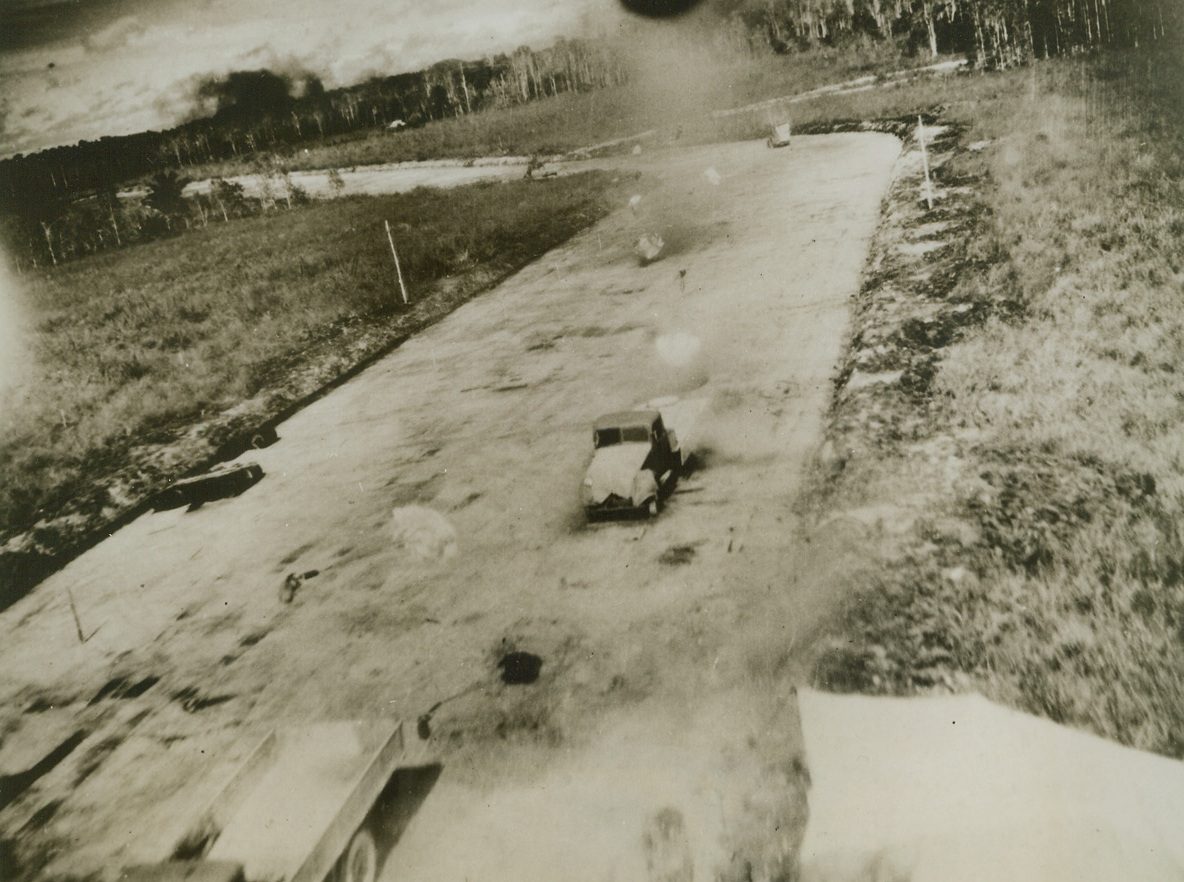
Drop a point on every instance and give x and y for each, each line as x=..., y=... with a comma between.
x=638, y=456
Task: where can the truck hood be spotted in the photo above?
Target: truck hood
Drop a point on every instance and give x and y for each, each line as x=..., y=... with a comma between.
x=612, y=471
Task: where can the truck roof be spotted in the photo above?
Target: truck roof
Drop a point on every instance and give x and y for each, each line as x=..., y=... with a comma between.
x=624, y=418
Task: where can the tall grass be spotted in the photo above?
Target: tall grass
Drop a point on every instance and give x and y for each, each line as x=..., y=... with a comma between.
x=129, y=346
x=1054, y=576
x=1087, y=396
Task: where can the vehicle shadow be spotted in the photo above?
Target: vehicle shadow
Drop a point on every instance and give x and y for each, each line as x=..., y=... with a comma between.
x=397, y=804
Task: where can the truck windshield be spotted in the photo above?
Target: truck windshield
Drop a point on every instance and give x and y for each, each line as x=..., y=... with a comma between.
x=607, y=437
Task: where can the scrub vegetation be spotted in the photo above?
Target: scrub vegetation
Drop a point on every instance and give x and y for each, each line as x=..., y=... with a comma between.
x=1038, y=456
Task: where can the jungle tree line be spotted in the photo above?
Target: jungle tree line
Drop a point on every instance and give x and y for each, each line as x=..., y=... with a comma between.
x=249, y=112
x=63, y=202
x=994, y=33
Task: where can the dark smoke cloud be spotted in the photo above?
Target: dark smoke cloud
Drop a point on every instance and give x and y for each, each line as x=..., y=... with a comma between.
x=252, y=94
x=673, y=9
x=659, y=8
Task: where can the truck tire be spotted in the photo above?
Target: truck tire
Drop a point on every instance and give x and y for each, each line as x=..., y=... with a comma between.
x=360, y=861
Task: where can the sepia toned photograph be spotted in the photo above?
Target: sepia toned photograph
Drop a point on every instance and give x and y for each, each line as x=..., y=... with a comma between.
x=591, y=441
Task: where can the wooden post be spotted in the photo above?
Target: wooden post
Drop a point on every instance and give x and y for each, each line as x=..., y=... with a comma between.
x=74, y=611
x=924, y=163
x=395, y=255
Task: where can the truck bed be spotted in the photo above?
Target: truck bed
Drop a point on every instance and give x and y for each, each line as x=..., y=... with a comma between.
x=291, y=810
x=680, y=416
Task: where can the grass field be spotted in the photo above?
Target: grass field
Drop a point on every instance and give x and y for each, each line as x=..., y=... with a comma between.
x=1051, y=575
x=133, y=345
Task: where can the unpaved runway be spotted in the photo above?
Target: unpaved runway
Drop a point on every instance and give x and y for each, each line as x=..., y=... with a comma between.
x=666, y=646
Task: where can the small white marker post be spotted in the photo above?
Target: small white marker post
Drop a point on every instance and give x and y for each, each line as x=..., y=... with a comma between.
x=924, y=163
x=77, y=621
x=395, y=255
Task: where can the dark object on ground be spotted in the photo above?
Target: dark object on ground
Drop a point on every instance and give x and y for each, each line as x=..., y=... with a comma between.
x=659, y=8
x=216, y=484
x=677, y=555
x=520, y=668
x=263, y=436
x=293, y=582
x=424, y=726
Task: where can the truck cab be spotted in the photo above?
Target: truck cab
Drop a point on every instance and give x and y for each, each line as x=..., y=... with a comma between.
x=635, y=459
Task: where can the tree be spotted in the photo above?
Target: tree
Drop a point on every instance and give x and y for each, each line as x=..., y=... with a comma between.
x=336, y=181
x=166, y=195
x=39, y=208
x=228, y=197
x=108, y=201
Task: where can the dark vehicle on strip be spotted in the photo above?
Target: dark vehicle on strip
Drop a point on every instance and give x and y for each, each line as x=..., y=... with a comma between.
x=636, y=460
